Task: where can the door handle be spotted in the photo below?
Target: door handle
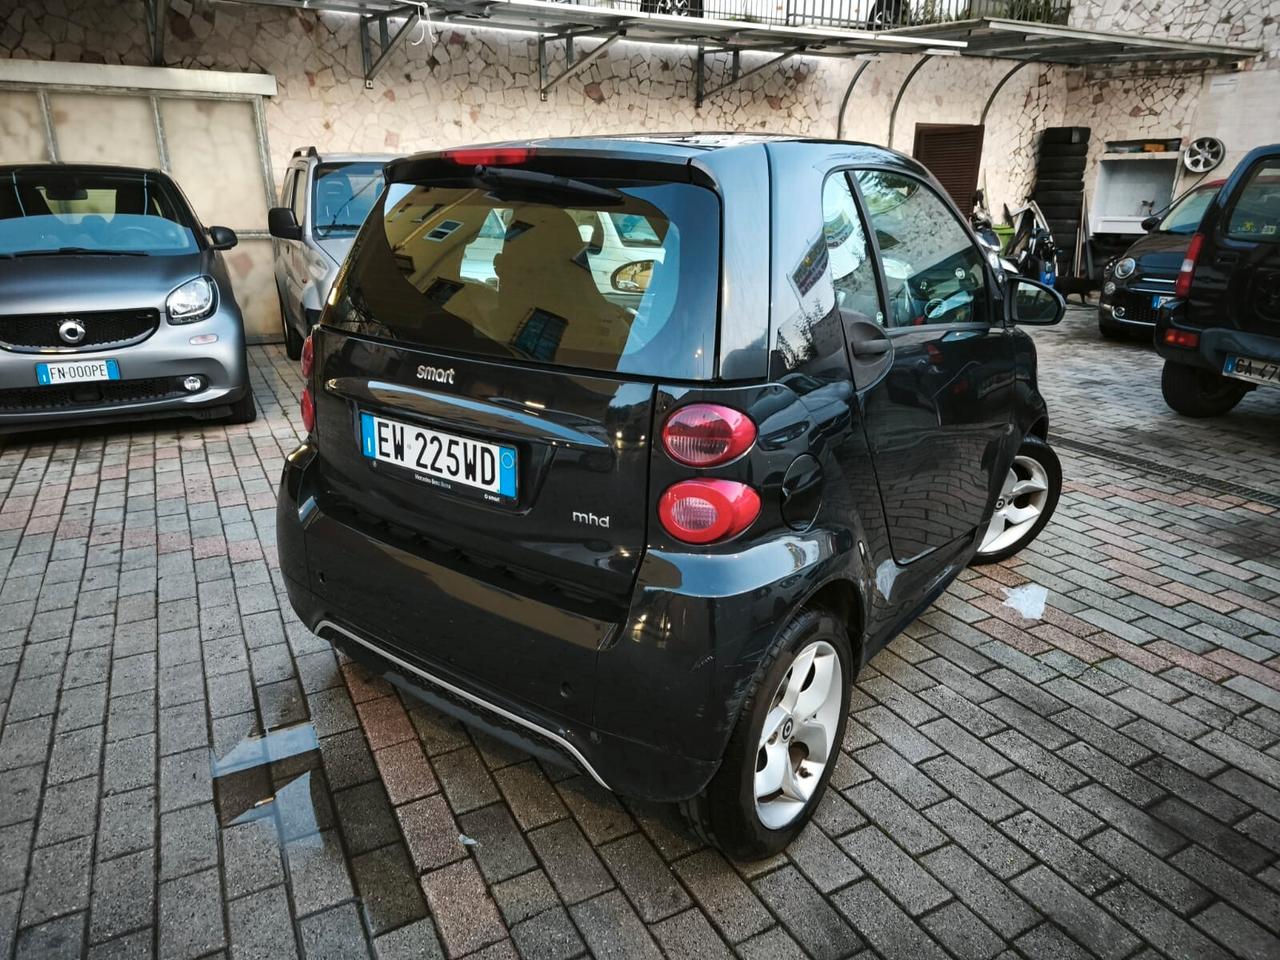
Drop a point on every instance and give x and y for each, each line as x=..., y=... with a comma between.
x=871, y=348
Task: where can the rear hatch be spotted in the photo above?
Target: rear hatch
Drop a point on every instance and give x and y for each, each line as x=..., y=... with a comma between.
x=485, y=401
x=1248, y=250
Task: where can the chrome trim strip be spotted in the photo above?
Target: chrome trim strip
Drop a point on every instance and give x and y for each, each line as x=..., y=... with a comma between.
x=458, y=691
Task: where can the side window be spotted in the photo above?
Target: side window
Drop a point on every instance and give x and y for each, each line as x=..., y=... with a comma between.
x=933, y=272
x=299, y=203
x=1255, y=215
x=853, y=267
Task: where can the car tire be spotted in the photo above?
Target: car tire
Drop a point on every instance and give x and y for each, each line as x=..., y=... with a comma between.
x=1065, y=135
x=1033, y=483
x=1063, y=150
x=1060, y=168
x=728, y=814
x=1195, y=392
x=1075, y=187
x=292, y=339
x=243, y=410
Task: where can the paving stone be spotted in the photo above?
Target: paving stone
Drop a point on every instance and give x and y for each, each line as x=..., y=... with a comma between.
x=806, y=915
x=388, y=886
x=980, y=890
x=532, y=798
x=569, y=861
x=261, y=927
x=464, y=913
x=548, y=936
x=251, y=856
x=188, y=841
x=465, y=779
x=69, y=810
x=1051, y=846
x=728, y=902
x=1085, y=921
x=612, y=930
x=524, y=896
x=500, y=851
x=417, y=941
x=1001, y=856
x=430, y=832
x=889, y=812
x=1241, y=936
x=1149, y=871
x=893, y=934
x=191, y=923
x=60, y=939
x=123, y=895
x=773, y=944
x=893, y=869
x=366, y=817
x=317, y=872
x=334, y=934
x=959, y=929
x=58, y=881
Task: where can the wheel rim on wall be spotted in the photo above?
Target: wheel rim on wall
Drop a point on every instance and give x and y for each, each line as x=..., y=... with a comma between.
x=1021, y=502
x=798, y=738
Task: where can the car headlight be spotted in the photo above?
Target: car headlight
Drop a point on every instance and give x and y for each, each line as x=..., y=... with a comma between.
x=192, y=301
x=1125, y=268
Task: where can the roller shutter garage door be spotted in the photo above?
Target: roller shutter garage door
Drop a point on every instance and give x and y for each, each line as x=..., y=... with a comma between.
x=953, y=154
x=213, y=146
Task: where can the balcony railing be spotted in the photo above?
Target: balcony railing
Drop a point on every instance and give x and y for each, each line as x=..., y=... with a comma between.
x=850, y=14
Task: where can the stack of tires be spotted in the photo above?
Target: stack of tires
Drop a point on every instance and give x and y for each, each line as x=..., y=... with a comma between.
x=1059, y=186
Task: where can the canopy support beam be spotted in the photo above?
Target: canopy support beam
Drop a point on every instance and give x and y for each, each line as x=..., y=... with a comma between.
x=897, y=101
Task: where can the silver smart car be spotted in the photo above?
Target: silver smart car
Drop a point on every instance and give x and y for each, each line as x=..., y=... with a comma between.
x=114, y=302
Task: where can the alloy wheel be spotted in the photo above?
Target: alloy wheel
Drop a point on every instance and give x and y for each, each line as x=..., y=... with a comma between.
x=798, y=738
x=1022, y=499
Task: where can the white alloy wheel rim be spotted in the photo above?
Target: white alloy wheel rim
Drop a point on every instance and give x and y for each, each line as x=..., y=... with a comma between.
x=1019, y=506
x=798, y=738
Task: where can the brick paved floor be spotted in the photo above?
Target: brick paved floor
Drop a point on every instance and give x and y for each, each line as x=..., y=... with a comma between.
x=1104, y=779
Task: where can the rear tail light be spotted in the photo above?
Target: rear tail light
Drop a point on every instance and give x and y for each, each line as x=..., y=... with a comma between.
x=308, y=409
x=1182, y=338
x=308, y=357
x=489, y=156
x=707, y=435
x=706, y=510
x=1182, y=286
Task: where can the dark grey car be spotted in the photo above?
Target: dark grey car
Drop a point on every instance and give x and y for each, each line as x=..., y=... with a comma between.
x=115, y=302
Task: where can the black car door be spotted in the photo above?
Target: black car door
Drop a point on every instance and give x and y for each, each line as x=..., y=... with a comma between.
x=933, y=364
x=1247, y=249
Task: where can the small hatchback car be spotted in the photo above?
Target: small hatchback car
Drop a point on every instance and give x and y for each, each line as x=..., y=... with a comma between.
x=653, y=519
x=1220, y=335
x=115, y=302
x=324, y=200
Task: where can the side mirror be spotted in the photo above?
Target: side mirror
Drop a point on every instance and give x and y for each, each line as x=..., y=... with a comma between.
x=222, y=238
x=1035, y=304
x=282, y=224
x=633, y=277
x=1150, y=223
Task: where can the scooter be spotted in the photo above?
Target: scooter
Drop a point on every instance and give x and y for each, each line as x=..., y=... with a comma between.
x=1032, y=248
x=980, y=220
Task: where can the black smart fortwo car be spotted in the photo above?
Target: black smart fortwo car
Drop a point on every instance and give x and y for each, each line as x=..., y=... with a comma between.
x=635, y=450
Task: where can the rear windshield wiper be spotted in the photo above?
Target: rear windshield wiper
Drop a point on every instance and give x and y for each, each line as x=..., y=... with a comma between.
x=508, y=183
x=68, y=251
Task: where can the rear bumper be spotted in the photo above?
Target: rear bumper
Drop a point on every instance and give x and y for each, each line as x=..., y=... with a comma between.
x=645, y=705
x=1216, y=344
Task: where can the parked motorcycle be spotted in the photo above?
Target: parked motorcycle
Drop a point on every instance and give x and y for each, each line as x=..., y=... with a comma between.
x=1032, y=249
x=980, y=220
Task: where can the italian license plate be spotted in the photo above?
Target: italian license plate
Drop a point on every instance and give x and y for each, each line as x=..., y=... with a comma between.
x=1158, y=301
x=1255, y=371
x=76, y=371
x=441, y=459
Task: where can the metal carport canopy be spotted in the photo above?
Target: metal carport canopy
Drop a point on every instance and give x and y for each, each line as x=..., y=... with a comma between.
x=1047, y=43
x=559, y=20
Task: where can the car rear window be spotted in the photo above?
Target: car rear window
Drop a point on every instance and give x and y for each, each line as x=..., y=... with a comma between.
x=622, y=281
x=1255, y=214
